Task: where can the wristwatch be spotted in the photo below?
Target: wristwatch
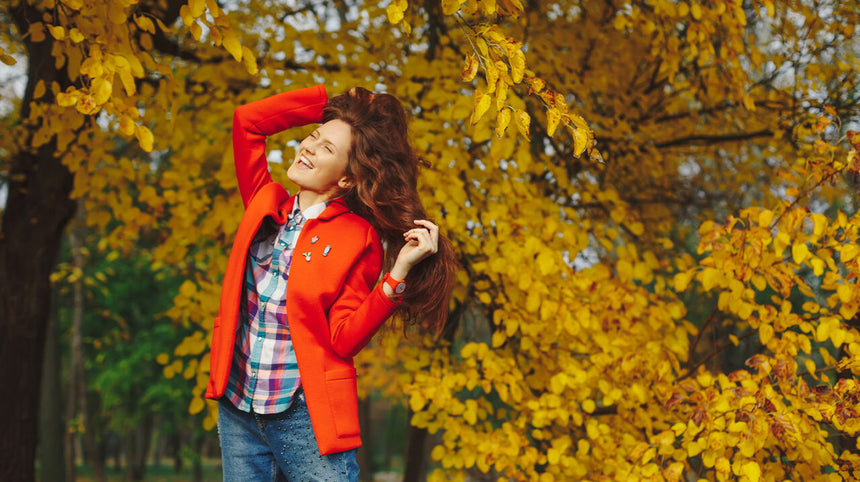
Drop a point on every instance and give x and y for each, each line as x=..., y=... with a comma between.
x=397, y=286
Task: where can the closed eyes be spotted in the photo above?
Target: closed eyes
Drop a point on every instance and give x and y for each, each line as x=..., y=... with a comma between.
x=315, y=135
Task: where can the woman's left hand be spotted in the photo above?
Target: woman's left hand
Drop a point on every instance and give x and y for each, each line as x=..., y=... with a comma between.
x=421, y=242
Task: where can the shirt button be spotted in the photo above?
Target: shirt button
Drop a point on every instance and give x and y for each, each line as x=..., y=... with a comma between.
x=275, y=272
x=253, y=374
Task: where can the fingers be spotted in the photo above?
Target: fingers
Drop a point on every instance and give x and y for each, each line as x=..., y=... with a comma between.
x=430, y=227
x=426, y=237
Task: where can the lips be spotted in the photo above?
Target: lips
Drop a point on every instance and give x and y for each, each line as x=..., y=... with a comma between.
x=303, y=161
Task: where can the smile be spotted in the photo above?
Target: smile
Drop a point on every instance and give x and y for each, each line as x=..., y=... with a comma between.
x=305, y=162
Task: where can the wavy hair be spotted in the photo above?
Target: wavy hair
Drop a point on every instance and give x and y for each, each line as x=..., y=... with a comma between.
x=384, y=168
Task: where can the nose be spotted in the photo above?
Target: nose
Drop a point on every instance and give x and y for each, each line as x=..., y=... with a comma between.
x=310, y=144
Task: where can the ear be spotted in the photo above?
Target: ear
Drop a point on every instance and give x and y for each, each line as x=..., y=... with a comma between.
x=345, y=182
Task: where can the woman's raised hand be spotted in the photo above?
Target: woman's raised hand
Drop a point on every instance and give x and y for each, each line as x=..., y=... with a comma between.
x=421, y=242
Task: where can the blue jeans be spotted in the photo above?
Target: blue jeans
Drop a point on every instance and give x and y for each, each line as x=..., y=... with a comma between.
x=279, y=447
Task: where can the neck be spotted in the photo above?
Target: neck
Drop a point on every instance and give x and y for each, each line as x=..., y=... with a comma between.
x=307, y=199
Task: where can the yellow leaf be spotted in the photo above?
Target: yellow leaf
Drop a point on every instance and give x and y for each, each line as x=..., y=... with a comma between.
x=76, y=36
x=126, y=125
x=185, y=15
x=501, y=94
x=765, y=217
x=682, y=280
x=102, y=89
x=145, y=23
x=250, y=61
x=849, y=252
x=523, y=122
x=417, y=400
x=67, y=99
x=482, y=104
x=765, y=333
x=116, y=13
x=518, y=65
x=588, y=406
x=502, y=121
x=710, y=276
x=57, y=32
x=7, y=59
x=817, y=266
x=127, y=81
x=580, y=141
x=232, y=44
x=771, y=12
x=799, y=252
x=470, y=68
x=196, y=406
x=751, y=470
x=845, y=293
x=492, y=72
x=39, y=91
x=162, y=358
x=144, y=136
x=696, y=10
x=450, y=7
x=553, y=116
x=36, y=32
x=394, y=14
x=694, y=448
x=197, y=7
x=196, y=30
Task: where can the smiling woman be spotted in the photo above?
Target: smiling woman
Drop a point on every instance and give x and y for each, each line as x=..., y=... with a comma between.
x=320, y=165
x=302, y=292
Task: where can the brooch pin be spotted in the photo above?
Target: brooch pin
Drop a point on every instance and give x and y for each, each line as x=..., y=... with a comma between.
x=326, y=250
x=315, y=239
x=307, y=256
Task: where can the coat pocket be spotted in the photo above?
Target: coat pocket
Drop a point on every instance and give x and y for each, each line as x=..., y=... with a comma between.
x=343, y=399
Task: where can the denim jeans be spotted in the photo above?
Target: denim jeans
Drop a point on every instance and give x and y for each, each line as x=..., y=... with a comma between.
x=279, y=447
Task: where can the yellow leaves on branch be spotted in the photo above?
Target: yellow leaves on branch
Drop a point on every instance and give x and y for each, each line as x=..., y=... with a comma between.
x=502, y=59
x=396, y=10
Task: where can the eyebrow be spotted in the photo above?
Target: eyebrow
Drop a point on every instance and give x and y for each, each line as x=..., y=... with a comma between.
x=325, y=140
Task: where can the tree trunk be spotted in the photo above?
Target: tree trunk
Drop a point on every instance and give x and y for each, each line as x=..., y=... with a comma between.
x=415, y=460
x=78, y=386
x=416, y=450
x=37, y=210
x=51, y=426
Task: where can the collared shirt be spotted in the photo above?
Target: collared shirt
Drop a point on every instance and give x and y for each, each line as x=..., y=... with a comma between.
x=264, y=374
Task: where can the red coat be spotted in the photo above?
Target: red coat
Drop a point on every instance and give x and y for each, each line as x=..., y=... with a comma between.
x=334, y=305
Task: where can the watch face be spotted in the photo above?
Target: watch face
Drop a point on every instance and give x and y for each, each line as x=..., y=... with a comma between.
x=401, y=287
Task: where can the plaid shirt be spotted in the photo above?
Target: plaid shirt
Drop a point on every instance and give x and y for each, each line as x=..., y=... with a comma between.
x=264, y=374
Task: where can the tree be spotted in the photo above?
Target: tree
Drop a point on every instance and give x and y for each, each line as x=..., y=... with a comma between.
x=623, y=181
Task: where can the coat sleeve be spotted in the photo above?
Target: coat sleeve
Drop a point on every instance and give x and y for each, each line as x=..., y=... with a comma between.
x=253, y=122
x=362, y=306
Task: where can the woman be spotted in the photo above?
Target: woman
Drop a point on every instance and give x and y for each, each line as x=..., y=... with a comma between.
x=301, y=293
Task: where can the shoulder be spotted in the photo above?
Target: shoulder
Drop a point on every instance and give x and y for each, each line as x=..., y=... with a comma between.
x=355, y=227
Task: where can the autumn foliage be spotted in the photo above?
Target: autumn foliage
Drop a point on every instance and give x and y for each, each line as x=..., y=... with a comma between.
x=653, y=202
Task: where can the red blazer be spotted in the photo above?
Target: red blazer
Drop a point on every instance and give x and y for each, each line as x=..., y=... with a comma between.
x=332, y=305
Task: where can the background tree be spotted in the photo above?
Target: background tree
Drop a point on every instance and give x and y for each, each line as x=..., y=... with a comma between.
x=605, y=272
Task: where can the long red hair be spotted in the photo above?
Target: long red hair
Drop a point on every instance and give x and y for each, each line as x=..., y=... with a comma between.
x=384, y=168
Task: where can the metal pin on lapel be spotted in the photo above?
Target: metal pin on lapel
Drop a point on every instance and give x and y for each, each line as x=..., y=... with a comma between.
x=326, y=250
x=307, y=255
x=315, y=239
